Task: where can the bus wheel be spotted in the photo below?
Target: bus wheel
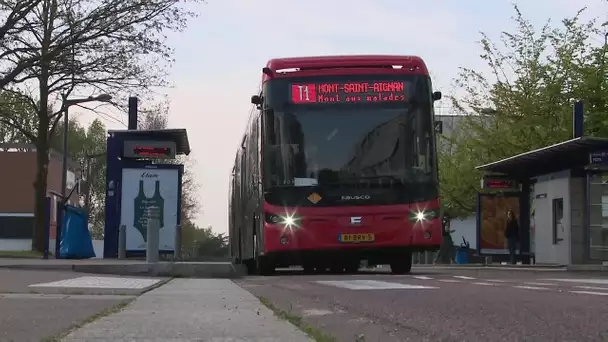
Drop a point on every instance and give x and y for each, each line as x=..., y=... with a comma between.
x=402, y=264
x=264, y=266
x=352, y=267
x=308, y=269
x=336, y=269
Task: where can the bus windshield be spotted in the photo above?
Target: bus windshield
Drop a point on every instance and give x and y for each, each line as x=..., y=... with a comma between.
x=335, y=144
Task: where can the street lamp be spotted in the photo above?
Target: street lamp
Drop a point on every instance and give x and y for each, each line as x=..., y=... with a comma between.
x=65, y=105
x=605, y=34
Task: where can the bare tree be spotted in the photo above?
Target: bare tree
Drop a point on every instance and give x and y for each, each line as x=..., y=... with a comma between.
x=12, y=24
x=61, y=48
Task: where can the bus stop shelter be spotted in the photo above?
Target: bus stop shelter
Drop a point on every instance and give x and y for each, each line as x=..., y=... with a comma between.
x=563, y=201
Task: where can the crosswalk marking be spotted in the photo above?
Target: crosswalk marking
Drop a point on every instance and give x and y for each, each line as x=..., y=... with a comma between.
x=422, y=277
x=496, y=280
x=531, y=287
x=591, y=293
x=464, y=277
x=484, y=283
x=450, y=280
x=371, y=285
x=592, y=288
x=582, y=281
x=540, y=284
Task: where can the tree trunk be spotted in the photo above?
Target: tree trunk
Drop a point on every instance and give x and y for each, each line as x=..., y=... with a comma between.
x=40, y=185
x=43, y=137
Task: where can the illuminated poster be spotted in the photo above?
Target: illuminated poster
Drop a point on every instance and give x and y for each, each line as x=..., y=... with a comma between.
x=493, y=222
x=141, y=189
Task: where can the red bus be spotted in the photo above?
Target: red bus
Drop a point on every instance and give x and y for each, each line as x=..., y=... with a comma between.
x=338, y=165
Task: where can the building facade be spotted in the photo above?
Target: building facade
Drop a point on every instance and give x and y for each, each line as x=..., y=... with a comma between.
x=17, y=177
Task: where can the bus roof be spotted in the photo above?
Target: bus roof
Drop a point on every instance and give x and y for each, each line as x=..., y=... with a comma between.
x=319, y=63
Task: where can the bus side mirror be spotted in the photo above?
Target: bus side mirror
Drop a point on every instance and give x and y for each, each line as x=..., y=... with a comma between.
x=256, y=100
x=437, y=96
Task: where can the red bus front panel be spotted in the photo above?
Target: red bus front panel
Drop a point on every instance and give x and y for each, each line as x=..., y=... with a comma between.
x=309, y=228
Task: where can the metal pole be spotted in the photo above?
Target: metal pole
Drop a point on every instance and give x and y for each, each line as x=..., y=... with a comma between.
x=64, y=174
x=45, y=254
x=64, y=180
x=152, y=235
x=122, y=242
x=177, y=255
x=87, y=198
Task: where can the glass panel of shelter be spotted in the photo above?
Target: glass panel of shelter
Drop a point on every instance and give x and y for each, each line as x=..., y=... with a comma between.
x=598, y=223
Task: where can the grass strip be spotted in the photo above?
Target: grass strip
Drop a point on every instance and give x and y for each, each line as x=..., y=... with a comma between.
x=299, y=322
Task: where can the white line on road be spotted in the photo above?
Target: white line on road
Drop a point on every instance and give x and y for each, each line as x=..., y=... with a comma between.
x=422, y=277
x=316, y=312
x=531, y=287
x=464, y=277
x=496, y=280
x=540, y=284
x=484, y=283
x=371, y=285
x=450, y=280
x=582, y=281
x=591, y=293
x=592, y=288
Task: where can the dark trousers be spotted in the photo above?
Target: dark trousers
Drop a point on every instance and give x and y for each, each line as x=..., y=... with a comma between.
x=512, y=243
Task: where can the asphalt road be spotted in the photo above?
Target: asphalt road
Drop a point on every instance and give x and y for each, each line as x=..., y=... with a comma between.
x=444, y=305
x=25, y=316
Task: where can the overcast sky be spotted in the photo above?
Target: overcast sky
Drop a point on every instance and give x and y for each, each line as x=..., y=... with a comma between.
x=219, y=59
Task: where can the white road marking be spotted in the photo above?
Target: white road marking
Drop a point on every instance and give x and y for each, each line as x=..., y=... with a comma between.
x=531, y=287
x=540, y=284
x=97, y=285
x=450, y=280
x=464, y=277
x=484, y=283
x=591, y=293
x=496, y=280
x=592, y=288
x=582, y=281
x=422, y=277
x=371, y=285
x=316, y=312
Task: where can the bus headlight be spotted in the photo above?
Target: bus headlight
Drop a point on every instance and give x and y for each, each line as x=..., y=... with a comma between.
x=286, y=220
x=424, y=215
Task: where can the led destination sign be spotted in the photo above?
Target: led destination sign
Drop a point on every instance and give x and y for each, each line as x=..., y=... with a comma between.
x=152, y=151
x=500, y=183
x=149, y=149
x=355, y=92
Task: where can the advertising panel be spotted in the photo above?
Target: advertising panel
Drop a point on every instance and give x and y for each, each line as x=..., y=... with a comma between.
x=141, y=189
x=492, y=222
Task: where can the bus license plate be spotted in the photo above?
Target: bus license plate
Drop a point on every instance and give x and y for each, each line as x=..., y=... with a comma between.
x=363, y=237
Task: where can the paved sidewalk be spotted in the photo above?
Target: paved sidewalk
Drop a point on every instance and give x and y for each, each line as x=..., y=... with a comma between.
x=192, y=310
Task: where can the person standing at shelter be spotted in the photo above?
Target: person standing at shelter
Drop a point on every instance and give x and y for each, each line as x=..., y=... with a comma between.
x=447, y=251
x=512, y=234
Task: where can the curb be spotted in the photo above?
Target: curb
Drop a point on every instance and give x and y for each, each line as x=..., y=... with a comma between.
x=217, y=270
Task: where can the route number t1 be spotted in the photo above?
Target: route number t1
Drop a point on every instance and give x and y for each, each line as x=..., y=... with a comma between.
x=303, y=93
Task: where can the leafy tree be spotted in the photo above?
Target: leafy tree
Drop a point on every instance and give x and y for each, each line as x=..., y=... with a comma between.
x=156, y=117
x=206, y=243
x=95, y=197
x=64, y=48
x=526, y=101
x=87, y=148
